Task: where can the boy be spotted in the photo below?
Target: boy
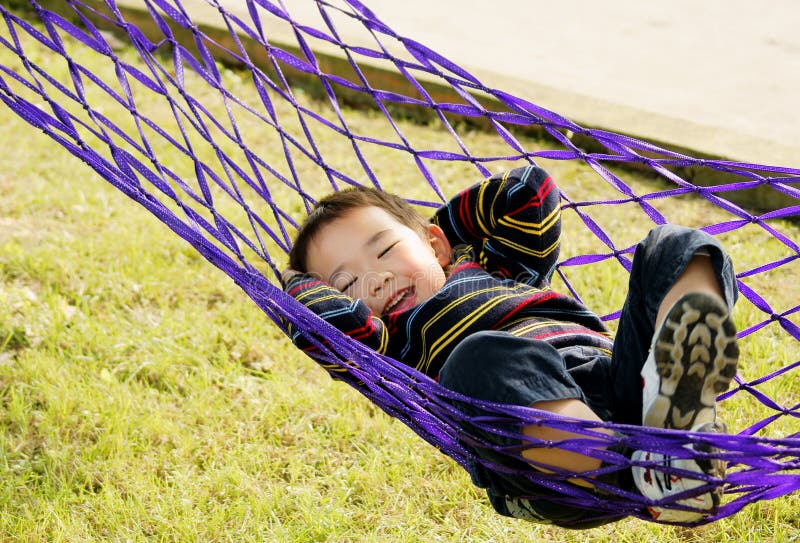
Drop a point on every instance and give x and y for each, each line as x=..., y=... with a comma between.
x=465, y=299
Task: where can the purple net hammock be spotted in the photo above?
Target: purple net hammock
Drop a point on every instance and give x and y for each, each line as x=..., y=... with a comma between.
x=231, y=159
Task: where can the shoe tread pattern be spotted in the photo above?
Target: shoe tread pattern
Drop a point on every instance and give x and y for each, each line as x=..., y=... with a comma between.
x=696, y=358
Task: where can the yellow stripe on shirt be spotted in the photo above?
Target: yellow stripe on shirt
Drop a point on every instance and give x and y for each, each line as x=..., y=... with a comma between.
x=458, y=328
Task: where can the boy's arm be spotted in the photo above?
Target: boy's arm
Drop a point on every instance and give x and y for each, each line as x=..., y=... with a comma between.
x=352, y=317
x=513, y=219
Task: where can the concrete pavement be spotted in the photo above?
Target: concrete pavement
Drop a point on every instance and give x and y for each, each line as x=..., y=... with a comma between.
x=718, y=76
x=721, y=77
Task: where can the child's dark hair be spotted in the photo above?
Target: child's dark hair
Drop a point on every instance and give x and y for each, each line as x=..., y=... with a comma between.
x=337, y=204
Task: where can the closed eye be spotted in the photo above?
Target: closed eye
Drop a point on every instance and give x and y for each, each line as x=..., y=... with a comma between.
x=386, y=250
x=343, y=282
x=349, y=284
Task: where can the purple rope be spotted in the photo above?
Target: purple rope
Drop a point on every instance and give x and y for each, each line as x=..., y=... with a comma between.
x=229, y=172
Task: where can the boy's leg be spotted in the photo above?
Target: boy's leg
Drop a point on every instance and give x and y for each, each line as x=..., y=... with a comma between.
x=694, y=354
x=559, y=458
x=666, y=266
x=502, y=368
x=698, y=276
x=681, y=293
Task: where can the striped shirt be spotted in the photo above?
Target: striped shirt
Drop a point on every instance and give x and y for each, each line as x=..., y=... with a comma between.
x=506, y=233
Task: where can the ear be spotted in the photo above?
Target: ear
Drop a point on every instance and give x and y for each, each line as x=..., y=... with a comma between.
x=440, y=245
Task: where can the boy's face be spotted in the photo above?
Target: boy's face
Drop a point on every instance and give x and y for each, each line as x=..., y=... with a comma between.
x=369, y=255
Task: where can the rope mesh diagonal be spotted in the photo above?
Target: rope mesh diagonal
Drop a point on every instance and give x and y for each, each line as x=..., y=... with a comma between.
x=229, y=132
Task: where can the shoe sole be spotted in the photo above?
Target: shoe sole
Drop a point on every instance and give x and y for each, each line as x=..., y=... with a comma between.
x=712, y=466
x=696, y=356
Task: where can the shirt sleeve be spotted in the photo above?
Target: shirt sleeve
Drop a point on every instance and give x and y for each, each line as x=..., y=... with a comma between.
x=513, y=219
x=352, y=317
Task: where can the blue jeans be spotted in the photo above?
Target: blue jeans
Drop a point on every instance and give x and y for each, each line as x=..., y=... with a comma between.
x=498, y=367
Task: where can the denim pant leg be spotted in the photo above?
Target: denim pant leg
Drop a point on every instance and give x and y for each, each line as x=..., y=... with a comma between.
x=657, y=263
x=502, y=368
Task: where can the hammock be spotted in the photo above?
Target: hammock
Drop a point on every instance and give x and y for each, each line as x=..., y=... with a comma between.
x=254, y=100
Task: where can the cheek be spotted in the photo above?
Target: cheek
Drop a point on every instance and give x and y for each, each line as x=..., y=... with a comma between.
x=429, y=267
x=441, y=277
x=434, y=274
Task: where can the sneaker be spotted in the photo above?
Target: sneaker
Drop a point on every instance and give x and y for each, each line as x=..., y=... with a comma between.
x=661, y=476
x=692, y=360
x=523, y=509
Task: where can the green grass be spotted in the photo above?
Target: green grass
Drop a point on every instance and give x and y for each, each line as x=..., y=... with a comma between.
x=144, y=397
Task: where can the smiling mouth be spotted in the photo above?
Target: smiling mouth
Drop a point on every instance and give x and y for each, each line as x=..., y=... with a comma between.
x=402, y=300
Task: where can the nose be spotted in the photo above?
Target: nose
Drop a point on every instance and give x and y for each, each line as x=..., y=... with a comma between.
x=381, y=279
